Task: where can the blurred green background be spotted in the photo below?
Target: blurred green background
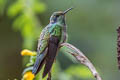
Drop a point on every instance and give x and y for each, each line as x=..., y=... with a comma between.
x=92, y=28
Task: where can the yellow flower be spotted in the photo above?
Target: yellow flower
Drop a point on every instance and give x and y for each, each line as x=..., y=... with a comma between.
x=28, y=76
x=28, y=53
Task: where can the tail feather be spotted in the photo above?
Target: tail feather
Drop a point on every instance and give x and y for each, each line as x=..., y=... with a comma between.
x=50, y=57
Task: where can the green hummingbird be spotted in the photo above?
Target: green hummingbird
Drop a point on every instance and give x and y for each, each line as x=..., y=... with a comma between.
x=50, y=38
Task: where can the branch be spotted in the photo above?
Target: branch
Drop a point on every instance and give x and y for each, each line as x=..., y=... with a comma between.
x=82, y=59
x=118, y=47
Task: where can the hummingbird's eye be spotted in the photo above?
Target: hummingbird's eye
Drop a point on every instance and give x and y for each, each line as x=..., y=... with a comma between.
x=57, y=15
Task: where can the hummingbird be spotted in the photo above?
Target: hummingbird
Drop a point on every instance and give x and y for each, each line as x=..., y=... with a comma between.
x=48, y=44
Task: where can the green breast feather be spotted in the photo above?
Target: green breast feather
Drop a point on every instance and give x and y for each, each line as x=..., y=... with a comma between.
x=56, y=30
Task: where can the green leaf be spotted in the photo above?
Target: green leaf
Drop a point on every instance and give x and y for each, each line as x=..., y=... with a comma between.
x=15, y=9
x=39, y=7
x=79, y=71
x=64, y=50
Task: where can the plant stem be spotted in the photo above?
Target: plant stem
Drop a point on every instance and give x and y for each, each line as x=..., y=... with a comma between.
x=82, y=59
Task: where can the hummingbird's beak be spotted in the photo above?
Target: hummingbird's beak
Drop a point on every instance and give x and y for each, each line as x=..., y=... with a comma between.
x=67, y=10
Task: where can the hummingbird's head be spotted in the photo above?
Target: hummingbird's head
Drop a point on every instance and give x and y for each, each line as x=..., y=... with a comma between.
x=59, y=16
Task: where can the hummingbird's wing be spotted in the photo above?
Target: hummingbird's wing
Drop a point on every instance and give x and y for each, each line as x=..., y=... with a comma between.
x=41, y=50
x=39, y=62
x=51, y=54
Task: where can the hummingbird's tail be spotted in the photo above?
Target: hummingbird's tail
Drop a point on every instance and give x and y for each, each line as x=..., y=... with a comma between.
x=52, y=51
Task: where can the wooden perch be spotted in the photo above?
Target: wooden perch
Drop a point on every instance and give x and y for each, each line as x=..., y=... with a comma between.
x=81, y=58
x=78, y=55
x=118, y=47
